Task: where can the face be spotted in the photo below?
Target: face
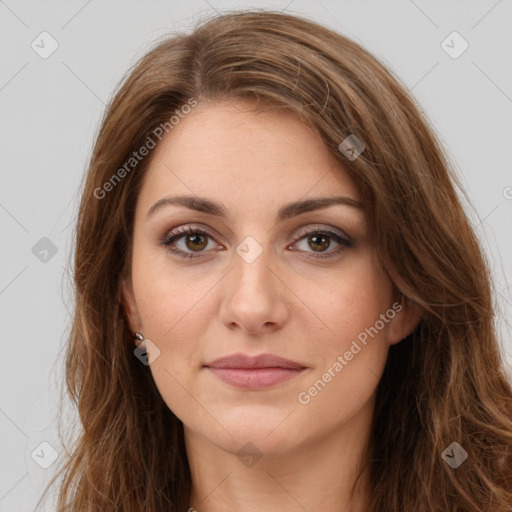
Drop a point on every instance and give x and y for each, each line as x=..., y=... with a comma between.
x=299, y=284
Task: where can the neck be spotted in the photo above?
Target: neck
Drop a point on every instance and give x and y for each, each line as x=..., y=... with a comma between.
x=320, y=474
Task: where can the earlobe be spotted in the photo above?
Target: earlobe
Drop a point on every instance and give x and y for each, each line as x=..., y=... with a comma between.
x=404, y=322
x=128, y=304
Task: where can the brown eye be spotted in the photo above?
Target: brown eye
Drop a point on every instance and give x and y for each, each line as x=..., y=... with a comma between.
x=194, y=241
x=319, y=242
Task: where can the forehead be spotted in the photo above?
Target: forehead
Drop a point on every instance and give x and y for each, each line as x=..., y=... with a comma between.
x=232, y=152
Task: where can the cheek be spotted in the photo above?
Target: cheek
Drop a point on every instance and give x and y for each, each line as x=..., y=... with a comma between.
x=353, y=343
x=176, y=310
x=172, y=298
x=349, y=302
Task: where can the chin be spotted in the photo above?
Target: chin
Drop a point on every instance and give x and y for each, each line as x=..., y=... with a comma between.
x=251, y=441
x=269, y=429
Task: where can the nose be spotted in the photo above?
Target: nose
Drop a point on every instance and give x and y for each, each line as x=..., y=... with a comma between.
x=255, y=296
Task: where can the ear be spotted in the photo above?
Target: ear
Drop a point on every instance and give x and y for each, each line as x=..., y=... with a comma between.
x=127, y=300
x=408, y=314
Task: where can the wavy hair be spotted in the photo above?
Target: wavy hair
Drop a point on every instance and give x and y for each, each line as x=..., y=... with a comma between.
x=445, y=383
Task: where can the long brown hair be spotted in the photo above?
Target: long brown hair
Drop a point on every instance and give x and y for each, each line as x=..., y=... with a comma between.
x=445, y=383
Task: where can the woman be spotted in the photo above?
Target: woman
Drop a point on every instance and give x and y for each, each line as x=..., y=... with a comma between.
x=280, y=304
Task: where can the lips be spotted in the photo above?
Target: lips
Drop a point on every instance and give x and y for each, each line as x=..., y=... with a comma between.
x=261, y=361
x=256, y=372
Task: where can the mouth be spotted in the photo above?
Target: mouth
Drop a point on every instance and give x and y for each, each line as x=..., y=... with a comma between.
x=254, y=373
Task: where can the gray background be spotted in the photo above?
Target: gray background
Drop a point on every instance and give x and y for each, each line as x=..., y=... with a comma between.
x=51, y=109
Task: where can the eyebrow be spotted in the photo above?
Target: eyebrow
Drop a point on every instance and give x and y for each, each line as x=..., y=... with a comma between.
x=285, y=212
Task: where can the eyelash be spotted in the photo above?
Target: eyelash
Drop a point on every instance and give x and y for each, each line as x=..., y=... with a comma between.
x=189, y=230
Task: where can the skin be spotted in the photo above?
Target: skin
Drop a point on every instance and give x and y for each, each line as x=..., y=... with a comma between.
x=285, y=302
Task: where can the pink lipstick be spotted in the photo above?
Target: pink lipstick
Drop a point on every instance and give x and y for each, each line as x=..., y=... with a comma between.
x=254, y=372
